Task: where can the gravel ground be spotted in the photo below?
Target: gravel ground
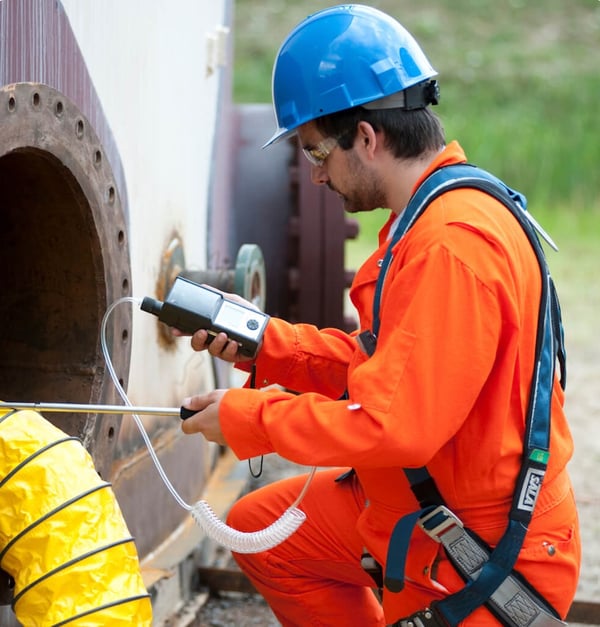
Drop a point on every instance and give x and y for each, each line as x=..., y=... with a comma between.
x=583, y=404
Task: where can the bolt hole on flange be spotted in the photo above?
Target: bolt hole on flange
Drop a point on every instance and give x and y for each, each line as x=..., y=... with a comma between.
x=63, y=235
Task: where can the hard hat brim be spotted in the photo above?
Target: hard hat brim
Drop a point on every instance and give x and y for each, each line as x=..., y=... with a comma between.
x=279, y=135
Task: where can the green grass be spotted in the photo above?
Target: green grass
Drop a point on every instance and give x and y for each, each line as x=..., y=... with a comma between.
x=520, y=86
x=574, y=267
x=519, y=81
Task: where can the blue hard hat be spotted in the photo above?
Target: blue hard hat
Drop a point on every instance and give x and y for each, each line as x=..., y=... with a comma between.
x=342, y=57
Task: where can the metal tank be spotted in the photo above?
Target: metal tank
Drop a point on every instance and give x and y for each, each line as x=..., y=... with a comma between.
x=124, y=163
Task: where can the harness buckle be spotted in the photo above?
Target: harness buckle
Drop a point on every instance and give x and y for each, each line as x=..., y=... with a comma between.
x=439, y=521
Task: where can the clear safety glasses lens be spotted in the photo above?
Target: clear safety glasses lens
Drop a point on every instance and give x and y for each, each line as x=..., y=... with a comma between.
x=320, y=152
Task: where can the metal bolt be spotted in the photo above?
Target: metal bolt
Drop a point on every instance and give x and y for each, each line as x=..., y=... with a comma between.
x=551, y=549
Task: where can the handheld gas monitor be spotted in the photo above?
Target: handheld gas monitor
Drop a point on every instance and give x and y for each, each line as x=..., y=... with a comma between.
x=190, y=307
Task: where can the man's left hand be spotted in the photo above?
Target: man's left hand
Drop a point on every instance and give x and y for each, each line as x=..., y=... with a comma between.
x=206, y=418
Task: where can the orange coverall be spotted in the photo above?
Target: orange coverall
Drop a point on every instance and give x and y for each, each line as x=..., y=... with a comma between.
x=447, y=387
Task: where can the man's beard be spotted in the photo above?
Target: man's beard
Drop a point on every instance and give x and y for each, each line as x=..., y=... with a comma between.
x=364, y=192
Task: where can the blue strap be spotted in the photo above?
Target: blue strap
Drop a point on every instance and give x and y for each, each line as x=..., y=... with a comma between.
x=417, y=475
x=549, y=347
x=433, y=186
x=398, y=549
x=423, y=486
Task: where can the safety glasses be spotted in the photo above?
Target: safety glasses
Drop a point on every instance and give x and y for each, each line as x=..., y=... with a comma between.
x=321, y=151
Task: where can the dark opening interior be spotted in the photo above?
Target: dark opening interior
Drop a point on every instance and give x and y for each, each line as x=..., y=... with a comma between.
x=49, y=308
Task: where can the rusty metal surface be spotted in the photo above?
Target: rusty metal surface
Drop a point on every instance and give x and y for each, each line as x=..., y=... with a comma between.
x=64, y=189
x=321, y=229
x=64, y=249
x=139, y=489
x=300, y=227
x=225, y=580
x=584, y=613
x=262, y=198
x=37, y=45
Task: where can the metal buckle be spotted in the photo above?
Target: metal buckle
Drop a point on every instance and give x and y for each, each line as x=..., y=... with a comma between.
x=370, y=565
x=435, y=532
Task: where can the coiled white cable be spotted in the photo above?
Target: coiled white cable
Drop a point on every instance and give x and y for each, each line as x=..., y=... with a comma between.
x=203, y=515
x=253, y=541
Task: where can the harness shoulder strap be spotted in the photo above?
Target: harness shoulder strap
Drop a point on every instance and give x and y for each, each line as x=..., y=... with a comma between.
x=549, y=348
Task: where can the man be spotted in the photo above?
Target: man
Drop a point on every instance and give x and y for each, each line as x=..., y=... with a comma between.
x=441, y=377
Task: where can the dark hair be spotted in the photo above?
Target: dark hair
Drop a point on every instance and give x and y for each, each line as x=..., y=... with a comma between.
x=408, y=134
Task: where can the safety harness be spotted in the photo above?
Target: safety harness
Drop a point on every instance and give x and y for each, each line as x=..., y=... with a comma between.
x=488, y=573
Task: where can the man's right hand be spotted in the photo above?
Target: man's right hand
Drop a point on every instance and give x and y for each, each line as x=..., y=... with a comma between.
x=218, y=346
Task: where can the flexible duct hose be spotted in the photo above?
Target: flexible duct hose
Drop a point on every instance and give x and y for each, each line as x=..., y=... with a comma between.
x=63, y=538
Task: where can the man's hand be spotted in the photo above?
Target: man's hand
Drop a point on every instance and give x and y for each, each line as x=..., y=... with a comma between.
x=206, y=418
x=220, y=345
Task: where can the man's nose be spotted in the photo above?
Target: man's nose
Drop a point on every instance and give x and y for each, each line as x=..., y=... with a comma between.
x=318, y=174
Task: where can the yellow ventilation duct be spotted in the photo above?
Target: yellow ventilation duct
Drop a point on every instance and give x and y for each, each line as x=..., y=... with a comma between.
x=63, y=538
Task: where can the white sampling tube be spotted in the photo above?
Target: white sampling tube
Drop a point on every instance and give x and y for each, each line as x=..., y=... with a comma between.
x=203, y=515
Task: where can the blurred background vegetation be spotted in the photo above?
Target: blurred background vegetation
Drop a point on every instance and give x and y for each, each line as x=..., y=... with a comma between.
x=520, y=85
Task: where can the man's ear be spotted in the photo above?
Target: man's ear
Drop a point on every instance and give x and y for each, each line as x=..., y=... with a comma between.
x=366, y=138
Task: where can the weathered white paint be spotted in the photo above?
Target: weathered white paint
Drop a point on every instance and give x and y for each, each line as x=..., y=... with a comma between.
x=156, y=68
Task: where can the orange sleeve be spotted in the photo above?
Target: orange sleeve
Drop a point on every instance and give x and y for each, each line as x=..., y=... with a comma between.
x=302, y=358
x=423, y=369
